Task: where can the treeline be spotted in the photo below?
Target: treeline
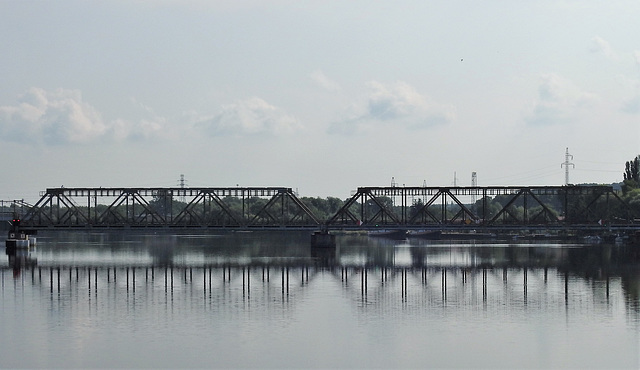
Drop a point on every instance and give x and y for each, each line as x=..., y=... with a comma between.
x=247, y=208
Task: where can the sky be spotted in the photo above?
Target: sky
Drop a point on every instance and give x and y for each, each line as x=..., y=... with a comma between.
x=319, y=96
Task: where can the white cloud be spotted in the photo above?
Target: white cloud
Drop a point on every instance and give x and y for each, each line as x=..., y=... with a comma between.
x=394, y=104
x=121, y=129
x=143, y=107
x=632, y=106
x=54, y=117
x=559, y=101
x=602, y=46
x=60, y=117
x=323, y=81
x=250, y=117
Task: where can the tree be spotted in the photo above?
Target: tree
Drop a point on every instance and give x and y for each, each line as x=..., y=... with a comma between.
x=322, y=208
x=631, y=175
x=631, y=170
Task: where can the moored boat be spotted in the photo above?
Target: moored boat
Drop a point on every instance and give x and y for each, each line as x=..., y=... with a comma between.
x=19, y=240
x=467, y=235
x=425, y=234
x=390, y=234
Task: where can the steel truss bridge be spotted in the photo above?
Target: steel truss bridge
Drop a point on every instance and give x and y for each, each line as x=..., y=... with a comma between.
x=437, y=208
x=169, y=207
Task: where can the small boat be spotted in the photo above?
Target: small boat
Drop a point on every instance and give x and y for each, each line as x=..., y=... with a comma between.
x=390, y=234
x=19, y=241
x=425, y=234
x=593, y=239
x=621, y=239
x=472, y=235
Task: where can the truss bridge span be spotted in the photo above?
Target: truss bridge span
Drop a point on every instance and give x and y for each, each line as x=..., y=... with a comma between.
x=426, y=208
x=169, y=207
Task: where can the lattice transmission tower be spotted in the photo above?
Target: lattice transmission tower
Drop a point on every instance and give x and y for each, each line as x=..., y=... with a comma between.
x=474, y=183
x=182, y=184
x=567, y=158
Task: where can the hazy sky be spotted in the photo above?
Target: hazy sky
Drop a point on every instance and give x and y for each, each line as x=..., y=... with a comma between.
x=320, y=96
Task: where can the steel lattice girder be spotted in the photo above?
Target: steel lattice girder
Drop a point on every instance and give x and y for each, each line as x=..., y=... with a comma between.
x=523, y=194
x=463, y=214
x=190, y=217
x=58, y=207
x=130, y=199
x=289, y=211
x=346, y=216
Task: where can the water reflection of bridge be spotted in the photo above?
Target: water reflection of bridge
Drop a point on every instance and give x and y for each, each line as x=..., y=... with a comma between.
x=282, y=265
x=540, y=207
x=378, y=285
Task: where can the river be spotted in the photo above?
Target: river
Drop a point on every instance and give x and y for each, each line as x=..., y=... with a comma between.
x=268, y=300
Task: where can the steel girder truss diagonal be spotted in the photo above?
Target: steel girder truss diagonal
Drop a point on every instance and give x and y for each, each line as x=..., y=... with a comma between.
x=132, y=202
x=462, y=215
x=284, y=209
x=585, y=205
x=344, y=216
x=56, y=208
x=214, y=212
x=380, y=214
x=508, y=214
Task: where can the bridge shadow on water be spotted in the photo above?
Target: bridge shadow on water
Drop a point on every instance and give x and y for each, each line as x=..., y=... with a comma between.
x=282, y=267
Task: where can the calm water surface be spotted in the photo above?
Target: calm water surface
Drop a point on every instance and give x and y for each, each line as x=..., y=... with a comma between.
x=262, y=300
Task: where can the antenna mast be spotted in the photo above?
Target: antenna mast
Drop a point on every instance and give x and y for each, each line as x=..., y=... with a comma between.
x=566, y=165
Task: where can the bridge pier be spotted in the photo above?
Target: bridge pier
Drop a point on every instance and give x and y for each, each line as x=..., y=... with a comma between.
x=322, y=239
